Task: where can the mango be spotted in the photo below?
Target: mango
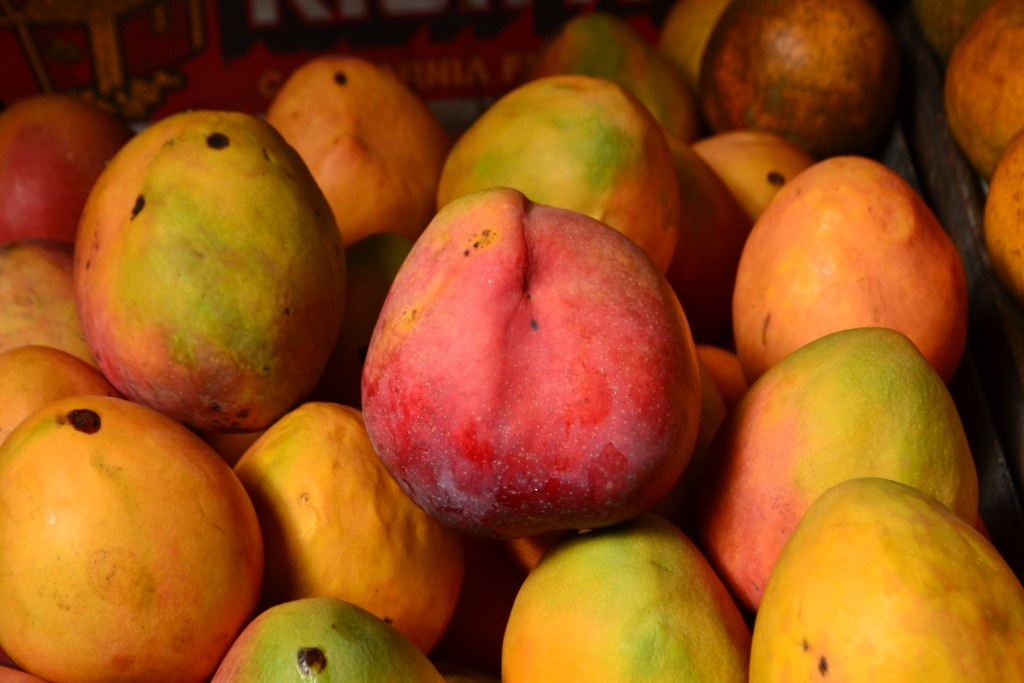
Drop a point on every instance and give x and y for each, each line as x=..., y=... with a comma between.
x=880, y=581
x=209, y=272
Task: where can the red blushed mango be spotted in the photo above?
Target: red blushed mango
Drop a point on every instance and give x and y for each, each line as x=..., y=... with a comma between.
x=52, y=149
x=861, y=402
x=531, y=370
x=209, y=273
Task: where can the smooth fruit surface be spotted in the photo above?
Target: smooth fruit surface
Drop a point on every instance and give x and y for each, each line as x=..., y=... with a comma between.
x=209, y=273
x=322, y=639
x=983, y=90
x=861, y=402
x=336, y=524
x=605, y=45
x=1003, y=218
x=373, y=145
x=37, y=297
x=848, y=243
x=52, y=149
x=576, y=142
x=126, y=540
x=684, y=35
x=531, y=370
x=632, y=602
x=821, y=73
x=712, y=230
x=943, y=22
x=879, y=581
x=753, y=164
x=33, y=375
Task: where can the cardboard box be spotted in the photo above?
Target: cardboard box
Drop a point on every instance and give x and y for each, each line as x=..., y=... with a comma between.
x=143, y=59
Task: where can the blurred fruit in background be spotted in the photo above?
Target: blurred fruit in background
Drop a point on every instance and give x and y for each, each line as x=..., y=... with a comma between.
x=606, y=46
x=574, y=142
x=1003, y=218
x=37, y=297
x=984, y=85
x=371, y=143
x=712, y=230
x=684, y=35
x=821, y=73
x=943, y=22
x=753, y=164
x=52, y=149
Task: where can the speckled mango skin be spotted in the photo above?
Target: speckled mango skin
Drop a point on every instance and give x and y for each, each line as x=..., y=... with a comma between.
x=530, y=371
x=880, y=581
x=209, y=272
x=577, y=142
x=131, y=552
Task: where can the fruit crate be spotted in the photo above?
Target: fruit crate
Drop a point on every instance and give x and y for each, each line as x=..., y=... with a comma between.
x=989, y=384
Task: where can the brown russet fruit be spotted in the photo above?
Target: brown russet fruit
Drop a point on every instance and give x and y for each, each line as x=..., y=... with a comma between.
x=822, y=73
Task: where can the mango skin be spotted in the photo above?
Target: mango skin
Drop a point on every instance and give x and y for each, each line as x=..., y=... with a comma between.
x=530, y=371
x=131, y=552
x=860, y=402
x=880, y=581
x=209, y=272
x=322, y=639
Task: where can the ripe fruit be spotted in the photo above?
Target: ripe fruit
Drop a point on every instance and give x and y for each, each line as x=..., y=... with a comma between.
x=848, y=243
x=983, y=91
x=336, y=524
x=209, y=273
x=880, y=581
x=531, y=370
x=1003, y=218
x=685, y=33
x=371, y=143
x=605, y=45
x=943, y=22
x=32, y=376
x=37, y=297
x=631, y=602
x=753, y=164
x=821, y=73
x=575, y=142
x=712, y=230
x=860, y=402
x=52, y=149
x=322, y=639
x=370, y=267
x=131, y=551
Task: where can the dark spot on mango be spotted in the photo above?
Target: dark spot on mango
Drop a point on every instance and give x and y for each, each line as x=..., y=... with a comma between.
x=243, y=413
x=388, y=620
x=310, y=661
x=764, y=329
x=823, y=666
x=340, y=78
x=140, y=202
x=214, y=406
x=776, y=178
x=88, y=264
x=533, y=324
x=466, y=252
x=84, y=420
x=804, y=646
x=217, y=141
x=266, y=155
